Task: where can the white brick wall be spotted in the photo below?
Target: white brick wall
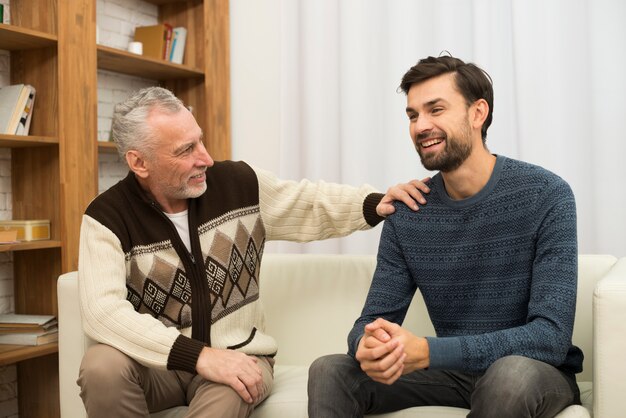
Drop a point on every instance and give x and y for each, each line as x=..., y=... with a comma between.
x=116, y=20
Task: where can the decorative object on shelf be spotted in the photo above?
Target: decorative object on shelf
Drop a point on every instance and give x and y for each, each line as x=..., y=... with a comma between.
x=135, y=48
x=28, y=230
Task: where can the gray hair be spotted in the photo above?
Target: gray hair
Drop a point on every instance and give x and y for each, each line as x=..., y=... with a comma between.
x=129, y=129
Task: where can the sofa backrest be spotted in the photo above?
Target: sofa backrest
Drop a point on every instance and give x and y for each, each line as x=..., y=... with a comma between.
x=311, y=302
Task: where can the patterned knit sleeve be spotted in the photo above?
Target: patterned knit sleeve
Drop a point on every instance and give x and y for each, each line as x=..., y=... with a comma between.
x=546, y=335
x=107, y=316
x=392, y=287
x=305, y=211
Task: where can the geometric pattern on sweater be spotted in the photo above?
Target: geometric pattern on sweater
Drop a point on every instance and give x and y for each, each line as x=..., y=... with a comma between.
x=232, y=267
x=164, y=293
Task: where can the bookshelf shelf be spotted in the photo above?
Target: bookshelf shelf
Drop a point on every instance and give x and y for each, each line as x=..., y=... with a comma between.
x=30, y=245
x=107, y=147
x=120, y=61
x=13, y=38
x=159, y=2
x=10, y=354
x=17, y=141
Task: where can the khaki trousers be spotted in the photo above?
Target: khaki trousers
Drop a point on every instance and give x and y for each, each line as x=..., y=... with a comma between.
x=114, y=385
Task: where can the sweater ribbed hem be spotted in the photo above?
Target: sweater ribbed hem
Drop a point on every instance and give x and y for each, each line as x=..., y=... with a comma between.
x=184, y=354
x=445, y=353
x=369, y=209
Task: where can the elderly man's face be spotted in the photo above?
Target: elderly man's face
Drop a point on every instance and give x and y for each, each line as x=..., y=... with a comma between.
x=176, y=169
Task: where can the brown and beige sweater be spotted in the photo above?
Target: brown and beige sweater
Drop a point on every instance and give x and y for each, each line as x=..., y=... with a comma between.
x=144, y=293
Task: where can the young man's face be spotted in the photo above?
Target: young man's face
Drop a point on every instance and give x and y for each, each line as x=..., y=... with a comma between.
x=176, y=169
x=439, y=123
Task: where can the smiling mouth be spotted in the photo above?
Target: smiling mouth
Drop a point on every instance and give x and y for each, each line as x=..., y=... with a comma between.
x=430, y=142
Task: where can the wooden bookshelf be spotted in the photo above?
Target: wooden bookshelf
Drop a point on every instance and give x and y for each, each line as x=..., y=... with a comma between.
x=54, y=171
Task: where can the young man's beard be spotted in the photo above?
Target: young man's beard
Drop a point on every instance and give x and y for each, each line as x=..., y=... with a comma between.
x=455, y=152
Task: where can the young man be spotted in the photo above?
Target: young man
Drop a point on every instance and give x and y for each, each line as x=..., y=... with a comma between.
x=494, y=254
x=169, y=266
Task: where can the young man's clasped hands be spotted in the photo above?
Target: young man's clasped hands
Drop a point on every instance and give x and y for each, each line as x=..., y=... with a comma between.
x=387, y=351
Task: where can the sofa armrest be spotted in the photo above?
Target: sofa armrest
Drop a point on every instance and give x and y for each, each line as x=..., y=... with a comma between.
x=609, y=343
x=72, y=344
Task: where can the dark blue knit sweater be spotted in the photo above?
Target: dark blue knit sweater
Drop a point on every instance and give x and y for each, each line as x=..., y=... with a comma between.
x=498, y=270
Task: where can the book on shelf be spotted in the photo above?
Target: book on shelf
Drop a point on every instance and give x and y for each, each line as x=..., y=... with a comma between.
x=153, y=39
x=31, y=338
x=168, y=33
x=25, y=323
x=12, y=102
x=20, y=329
x=23, y=126
x=178, y=45
x=16, y=108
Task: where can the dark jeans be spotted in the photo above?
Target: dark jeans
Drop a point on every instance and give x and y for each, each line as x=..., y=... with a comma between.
x=513, y=386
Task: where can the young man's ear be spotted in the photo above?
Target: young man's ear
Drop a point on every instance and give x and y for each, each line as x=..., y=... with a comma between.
x=479, y=113
x=137, y=163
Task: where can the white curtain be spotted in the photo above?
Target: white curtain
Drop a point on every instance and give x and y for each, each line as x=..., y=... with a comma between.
x=326, y=75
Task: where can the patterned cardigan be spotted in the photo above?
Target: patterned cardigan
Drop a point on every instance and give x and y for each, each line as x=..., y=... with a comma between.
x=144, y=293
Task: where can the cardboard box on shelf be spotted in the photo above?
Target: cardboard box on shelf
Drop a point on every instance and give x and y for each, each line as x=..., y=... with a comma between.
x=28, y=230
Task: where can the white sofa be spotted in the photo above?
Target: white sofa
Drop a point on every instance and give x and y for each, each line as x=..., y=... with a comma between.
x=311, y=302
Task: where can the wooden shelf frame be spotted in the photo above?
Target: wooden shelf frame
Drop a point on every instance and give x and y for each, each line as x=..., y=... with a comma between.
x=107, y=147
x=20, y=141
x=10, y=354
x=14, y=38
x=30, y=245
x=124, y=62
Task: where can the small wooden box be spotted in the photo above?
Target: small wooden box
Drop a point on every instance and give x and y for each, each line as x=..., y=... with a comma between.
x=28, y=230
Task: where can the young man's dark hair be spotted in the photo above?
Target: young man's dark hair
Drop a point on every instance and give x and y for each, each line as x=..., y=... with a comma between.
x=472, y=82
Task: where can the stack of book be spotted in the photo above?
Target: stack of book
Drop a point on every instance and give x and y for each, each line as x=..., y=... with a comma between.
x=16, y=108
x=22, y=329
x=162, y=41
